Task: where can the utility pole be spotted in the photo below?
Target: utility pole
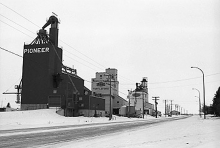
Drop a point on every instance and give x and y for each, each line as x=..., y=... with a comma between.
x=129, y=92
x=110, y=100
x=143, y=103
x=178, y=109
x=171, y=107
x=168, y=108
x=110, y=105
x=155, y=99
x=165, y=107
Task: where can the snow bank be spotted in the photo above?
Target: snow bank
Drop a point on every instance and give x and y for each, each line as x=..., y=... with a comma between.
x=39, y=118
x=49, y=117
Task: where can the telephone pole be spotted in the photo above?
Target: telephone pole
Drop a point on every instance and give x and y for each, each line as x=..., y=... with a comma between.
x=165, y=107
x=143, y=103
x=129, y=93
x=110, y=76
x=110, y=105
x=155, y=99
x=171, y=107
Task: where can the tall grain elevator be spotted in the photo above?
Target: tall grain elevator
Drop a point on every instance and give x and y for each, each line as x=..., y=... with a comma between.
x=42, y=67
x=46, y=82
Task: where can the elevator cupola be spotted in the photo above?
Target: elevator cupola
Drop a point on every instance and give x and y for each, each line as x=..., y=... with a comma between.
x=53, y=34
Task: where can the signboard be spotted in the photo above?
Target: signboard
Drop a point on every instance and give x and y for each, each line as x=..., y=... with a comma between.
x=100, y=86
x=37, y=50
x=137, y=95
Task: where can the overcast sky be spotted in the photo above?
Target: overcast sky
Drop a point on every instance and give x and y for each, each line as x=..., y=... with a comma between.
x=158, y=39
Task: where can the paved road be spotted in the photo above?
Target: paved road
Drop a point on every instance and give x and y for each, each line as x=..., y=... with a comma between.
x=36, y=137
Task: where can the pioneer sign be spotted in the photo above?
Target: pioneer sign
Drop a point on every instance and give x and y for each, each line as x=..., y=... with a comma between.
x=36, y=50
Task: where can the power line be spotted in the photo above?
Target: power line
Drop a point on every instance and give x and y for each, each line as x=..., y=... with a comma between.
x=86, y=55
x=79, y=62
x=11, y=52
x=120, y=83
x=59, y=39
x=182, y=85
x=19, y=14
x=13, y=84
x=17, y=24
x=15, y=28
x=34, y=33
x=35, y=61
x=81, y=59
x=212, y=74
x=177, y=80
x=31, y=37
x=67, y=73
x=40, y=27
x=82, y=54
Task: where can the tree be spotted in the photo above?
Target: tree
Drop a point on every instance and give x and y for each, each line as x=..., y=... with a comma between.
x=208, y=109
x=216, y=103
x=8, y=105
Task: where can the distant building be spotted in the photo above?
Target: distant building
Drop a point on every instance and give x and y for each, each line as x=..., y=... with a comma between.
x=90, y=105
x=118, y=102
x=149, y=108
x=106, y=84
x=174, y=112
x=139, y=98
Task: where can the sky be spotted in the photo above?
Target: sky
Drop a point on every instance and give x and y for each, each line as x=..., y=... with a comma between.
x=159, y=39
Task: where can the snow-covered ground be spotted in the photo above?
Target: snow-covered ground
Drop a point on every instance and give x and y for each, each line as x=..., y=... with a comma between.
x=187, y=133
x=49, y=117
x=190, y=132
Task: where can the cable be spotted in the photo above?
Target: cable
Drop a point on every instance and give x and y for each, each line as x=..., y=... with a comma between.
x=12, y=85
x=11, y=52
x=79, y=62
x=31, y=37
x=39, y=27
x=16, y=29
x=19, y=14
x=17, y=23
x=82, y=59
x=86, y=55
x=175, y=80
x=59, y=39
x=121, y=84
x=82, y=54
x=212, y=74
x=178, y=80
x=182, y=85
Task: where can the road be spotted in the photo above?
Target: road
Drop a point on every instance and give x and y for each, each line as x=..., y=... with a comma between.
x=37, y=137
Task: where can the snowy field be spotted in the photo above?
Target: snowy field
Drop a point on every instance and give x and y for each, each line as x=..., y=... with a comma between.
x=49, y=117
x=186, y=133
